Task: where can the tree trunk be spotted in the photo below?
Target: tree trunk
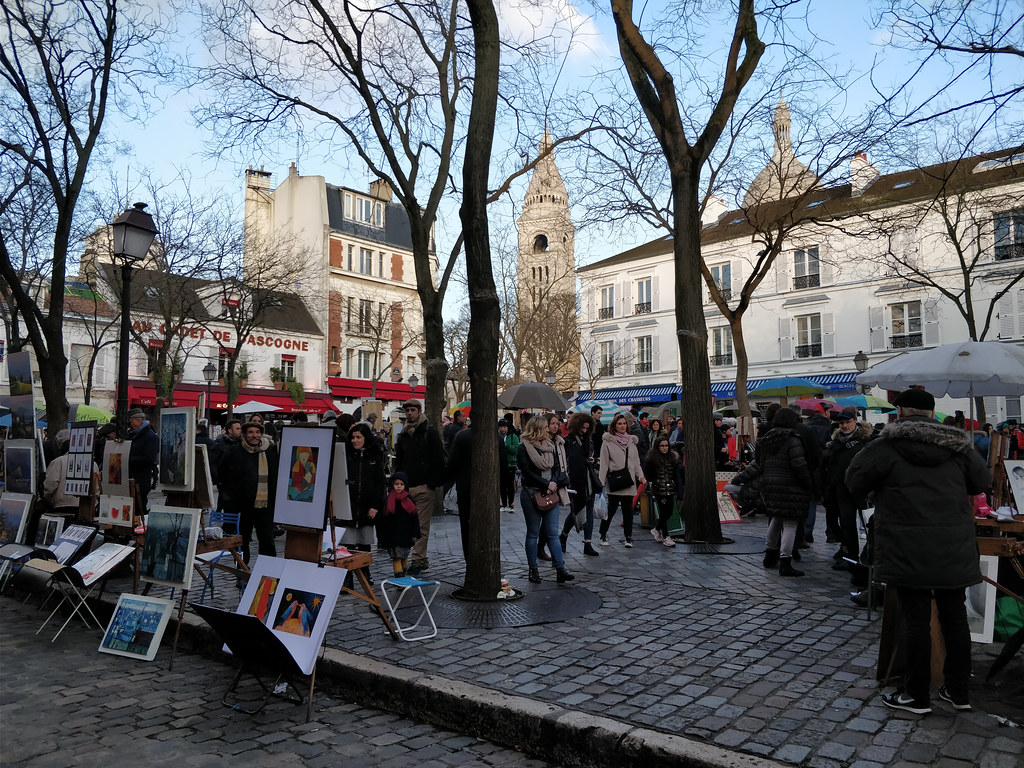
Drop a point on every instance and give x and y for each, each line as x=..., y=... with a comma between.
x=483, y=567
x=700, y=507
x=739, y=348
x=52, y=370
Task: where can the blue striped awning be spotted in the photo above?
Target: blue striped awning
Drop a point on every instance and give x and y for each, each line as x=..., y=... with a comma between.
x=830, y=382
x=653, y=393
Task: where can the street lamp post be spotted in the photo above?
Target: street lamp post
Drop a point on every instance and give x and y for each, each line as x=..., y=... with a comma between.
x=209, y=373
x=549, y=378
x=413, y=383
x=860, y=361
x=133, y=233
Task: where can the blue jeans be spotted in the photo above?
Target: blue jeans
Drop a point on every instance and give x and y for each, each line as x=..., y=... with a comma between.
x=811, y=519
x=534, y=520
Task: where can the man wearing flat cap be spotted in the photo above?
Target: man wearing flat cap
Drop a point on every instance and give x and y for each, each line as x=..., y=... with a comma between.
x=922, y=474
x=419, y=453
x=249, y=478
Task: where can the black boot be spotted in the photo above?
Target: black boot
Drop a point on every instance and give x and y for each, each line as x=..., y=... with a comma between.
x=535, y=576
x=542, y=552
x=771, y=558
x=588, y=549
x=563, y=540
x=564, y=576
x=797, y=557
x=786, y=567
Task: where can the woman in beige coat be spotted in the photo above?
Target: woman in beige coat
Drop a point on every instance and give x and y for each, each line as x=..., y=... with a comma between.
x=619, y=449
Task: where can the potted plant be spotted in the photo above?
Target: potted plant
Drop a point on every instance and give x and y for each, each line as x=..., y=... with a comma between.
x=242, y=374
x=296, y=391
x=277, y=378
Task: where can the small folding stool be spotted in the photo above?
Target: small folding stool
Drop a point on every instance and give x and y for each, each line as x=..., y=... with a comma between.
x=402, y=586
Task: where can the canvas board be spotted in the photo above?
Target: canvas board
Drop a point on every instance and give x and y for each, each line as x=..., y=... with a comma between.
x=302, y=482
x=15, y=509
x=341, y=502
x=981, y=602
x=19, y=373
x=70, y=542
x=170, y=546
x=114, y=472
x=177, y=448
x=116, y=510
x=23, y=416
x=204, y=480
x=1015, y=474
x=49, y=529
x=102, y=561
x=296, y=601
x=137, y=626
x=20, y=466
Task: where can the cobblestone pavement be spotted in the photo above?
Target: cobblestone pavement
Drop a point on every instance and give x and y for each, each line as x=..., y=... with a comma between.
x=65, y=704
x=706, y=645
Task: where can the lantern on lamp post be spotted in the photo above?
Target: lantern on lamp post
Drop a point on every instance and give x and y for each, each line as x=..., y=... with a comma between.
x=413, y=383
x=209, y=373
x=133, y=233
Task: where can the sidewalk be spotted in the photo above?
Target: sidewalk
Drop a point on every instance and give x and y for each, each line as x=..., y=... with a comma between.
x=689, y=651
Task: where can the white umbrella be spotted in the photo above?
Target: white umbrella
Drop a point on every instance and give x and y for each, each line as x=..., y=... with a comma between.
x=255, y=406
x=968, y=369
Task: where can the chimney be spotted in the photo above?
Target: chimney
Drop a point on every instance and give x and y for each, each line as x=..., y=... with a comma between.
x=257, y=179
x=862, y=174
x=713, y=211
x=381, y=190
x=293, y=171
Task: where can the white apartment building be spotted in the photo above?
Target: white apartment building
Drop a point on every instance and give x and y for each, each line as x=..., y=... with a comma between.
x=848, y=279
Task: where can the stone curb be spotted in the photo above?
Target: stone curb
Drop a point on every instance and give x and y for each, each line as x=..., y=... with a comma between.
x=561, y=736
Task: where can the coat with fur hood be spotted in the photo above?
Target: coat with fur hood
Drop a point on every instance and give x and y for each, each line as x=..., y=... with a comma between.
x=922, y=474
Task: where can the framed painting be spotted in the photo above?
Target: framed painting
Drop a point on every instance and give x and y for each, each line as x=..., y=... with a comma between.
x=114, y=472
x=981, y=602
x=20, y=466
x=115, y=510
x=137, y=626
x=70, y=542
x=341, y=502
x=23, y=416
x=48, y=529
x=170, y=546
x=177, y=448
x=19, y=373
x=204, y=480
x=1015, y=474
x=303, y=476
x=14, y=513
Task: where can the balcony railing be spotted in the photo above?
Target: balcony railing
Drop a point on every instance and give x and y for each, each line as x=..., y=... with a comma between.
x=906, y=341
x=808, y=350
x=643, y=367
x=607, y=370
x=642, y=309
x=605, y=312
x=721, y=359
x=807, y=281
x=1011, y=251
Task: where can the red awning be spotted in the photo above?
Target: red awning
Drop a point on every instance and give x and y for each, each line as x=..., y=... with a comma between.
x=313, y=403
x=187, y=395
x=141, y=394
x=386, y=390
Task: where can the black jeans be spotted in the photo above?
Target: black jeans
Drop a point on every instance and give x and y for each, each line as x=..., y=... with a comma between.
x=916, y=606
x=614, y=502
x=665, y=506
x=508, y=486
x=263, y=521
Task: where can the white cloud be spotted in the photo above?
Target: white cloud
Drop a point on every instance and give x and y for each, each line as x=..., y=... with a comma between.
x=559, y=22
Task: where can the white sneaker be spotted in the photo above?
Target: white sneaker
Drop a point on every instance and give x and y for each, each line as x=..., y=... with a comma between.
x=657, y=535
x=629, y=543
x=669, y=541
x=604, y=541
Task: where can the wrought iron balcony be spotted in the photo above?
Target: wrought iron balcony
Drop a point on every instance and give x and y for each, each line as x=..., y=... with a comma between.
x=643, y=367
x=721, y=359
x=604, y=313
x=607, y=370
x=1011, y=251
x=642, y=309
x=808, y=350
x=807, y=281
x=906, y=341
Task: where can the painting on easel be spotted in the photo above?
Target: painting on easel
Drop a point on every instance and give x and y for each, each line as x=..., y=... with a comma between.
x=177, y=448
x=303, y=477
x=170, y=546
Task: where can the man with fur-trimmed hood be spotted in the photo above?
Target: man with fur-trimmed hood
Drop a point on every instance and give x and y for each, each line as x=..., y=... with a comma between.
x=922, y=474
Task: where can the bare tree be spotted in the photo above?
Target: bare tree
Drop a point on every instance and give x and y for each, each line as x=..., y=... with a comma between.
x=61, y=64
x=456, y=347
x=87, y=309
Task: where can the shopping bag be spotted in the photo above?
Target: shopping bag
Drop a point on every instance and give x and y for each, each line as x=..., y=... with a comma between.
x=600, y=507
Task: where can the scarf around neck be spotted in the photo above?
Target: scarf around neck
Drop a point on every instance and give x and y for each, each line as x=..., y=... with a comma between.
x=398, y=499
x=542, y=454
x=262, y=473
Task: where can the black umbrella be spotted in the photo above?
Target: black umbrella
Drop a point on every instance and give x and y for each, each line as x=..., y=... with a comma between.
x=532, y=394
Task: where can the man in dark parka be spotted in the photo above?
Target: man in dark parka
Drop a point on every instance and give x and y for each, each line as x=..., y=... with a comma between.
x=922, y=474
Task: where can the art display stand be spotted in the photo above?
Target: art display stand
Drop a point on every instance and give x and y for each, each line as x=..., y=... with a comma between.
x=257, y=649
x=302, y=543
x=355, y=563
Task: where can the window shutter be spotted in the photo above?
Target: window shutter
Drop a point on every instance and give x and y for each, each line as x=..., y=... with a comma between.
x=591, y=304
x=828, y=334
x=737, y=280
x=99, y=374
x=931, y=322
x=824, y=272
x=785, y=338
x=782, y=272
x=299, y=370
x=876, y=324
x=627, y=310
x=991, y=409
x=625, y=366
x=655, y=355
x=655, y=294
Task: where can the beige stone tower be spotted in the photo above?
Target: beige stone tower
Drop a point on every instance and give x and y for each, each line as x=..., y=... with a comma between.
x=547, y=316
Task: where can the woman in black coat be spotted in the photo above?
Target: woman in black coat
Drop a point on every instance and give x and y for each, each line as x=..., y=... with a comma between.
x=579, y=458
x=664, y=471
x=786, y=486
x=367, y=489
x=850, y=438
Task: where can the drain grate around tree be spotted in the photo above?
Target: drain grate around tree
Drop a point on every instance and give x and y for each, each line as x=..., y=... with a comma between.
x=540, y=605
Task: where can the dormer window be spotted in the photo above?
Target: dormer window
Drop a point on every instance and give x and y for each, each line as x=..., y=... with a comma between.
x=364, y=210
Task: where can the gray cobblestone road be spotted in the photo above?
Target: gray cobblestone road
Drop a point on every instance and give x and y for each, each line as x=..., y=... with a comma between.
x=65, y=705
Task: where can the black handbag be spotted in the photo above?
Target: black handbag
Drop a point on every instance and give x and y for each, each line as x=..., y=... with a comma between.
x=620, y=479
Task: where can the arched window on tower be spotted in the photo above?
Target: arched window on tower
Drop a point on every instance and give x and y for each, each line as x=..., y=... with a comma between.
x=540, y=244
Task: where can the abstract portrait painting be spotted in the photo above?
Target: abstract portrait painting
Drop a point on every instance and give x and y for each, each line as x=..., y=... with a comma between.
x=303, y=476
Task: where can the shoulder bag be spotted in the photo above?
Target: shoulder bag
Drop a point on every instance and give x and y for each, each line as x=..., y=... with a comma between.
x=545, y=500
x=620, y=479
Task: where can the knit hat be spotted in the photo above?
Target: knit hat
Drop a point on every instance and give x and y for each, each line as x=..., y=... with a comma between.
x=400, y=476
x=135, y=413
x=920, y=399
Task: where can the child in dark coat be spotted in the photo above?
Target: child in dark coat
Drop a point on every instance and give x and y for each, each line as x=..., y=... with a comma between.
x=398, y=524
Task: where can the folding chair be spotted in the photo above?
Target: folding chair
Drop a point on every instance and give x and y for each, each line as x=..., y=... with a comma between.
x=68, y=583
x=213, y=559
x=402, y=586
x=14, y=556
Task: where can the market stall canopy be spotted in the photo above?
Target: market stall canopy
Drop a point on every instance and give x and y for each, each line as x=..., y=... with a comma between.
x=532, y=394
x=868, y=403
x=255, y=406
x=967, y=369
x=787, y=386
